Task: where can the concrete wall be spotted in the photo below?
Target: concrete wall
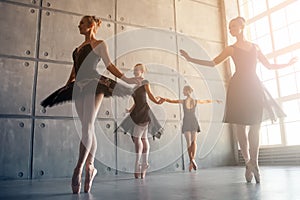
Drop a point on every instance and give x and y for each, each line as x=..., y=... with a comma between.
x=37, y=39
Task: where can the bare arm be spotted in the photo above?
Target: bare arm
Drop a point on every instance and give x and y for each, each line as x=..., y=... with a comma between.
x=130, y=109
x=173, y=100
x=211, y=63
x=150, y=94
x=72, y=76
x=102, y=50
x=208, y=101
x=262, y=58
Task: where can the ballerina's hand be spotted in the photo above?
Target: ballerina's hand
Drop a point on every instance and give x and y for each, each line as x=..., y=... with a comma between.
x=161, y=100
x=293, y=60
x=184, y=54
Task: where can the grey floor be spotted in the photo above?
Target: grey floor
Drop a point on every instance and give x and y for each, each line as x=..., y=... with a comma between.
x=277, y=183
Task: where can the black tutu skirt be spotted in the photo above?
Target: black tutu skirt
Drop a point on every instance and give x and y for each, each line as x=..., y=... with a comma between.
x=154, y=127
x=83, y=87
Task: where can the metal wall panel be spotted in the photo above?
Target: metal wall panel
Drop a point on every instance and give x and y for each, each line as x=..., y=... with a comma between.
x=215, y=3
x=55, y=150
x=165, y=153
x=153, y=47
x=33, y=2
x=58, y=40
x=15, y=145
x=17, y=86
x=56, y=144
x=203, y=50
x=155, y=60
x=18, y=38
x=104, y=8
x=150, y=13
x=106, y=151
x=192, y=18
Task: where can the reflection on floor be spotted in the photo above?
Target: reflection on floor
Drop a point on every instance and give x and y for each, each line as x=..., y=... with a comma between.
x=226, y=183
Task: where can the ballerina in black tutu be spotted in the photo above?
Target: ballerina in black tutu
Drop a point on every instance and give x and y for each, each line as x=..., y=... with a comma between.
x=87, y=88
x=141, y=121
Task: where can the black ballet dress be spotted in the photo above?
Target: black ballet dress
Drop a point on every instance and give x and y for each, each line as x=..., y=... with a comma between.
x=190, y=122
x=87, y=81
x=247, y=101
x=141, y=114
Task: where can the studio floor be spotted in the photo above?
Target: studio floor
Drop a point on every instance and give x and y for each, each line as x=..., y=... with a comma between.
x=224, y=183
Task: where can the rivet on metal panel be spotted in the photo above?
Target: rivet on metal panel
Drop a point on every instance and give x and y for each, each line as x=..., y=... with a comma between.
x=26, y=64
x=122, y=18
x=32, y=10
x=46, y=54
x=122, y=27
x=175, y=126
x=108, y=169
x=174, y=115
x=33, y=1
x=109, y=16
x=20, y=174
x=41, y=172
x=22, y=108
x=43, y=110
x=42, y=125
x=177, y=165
x=45, y=66
x=48, y=4
x=21, y=124
x=47, y=13
x=107, y=112
x=123, y=64
x=107, y=125
x=27, y=52
x=108, y=25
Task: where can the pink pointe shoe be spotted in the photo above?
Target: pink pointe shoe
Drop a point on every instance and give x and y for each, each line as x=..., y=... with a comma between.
x=144, y=170
x=89, y=177
x=255, y=170
x=248, y=173
x=76, y=183
x=137, y=171
x=195, y=166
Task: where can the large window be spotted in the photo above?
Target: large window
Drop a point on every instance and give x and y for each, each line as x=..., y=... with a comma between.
x=274, y=26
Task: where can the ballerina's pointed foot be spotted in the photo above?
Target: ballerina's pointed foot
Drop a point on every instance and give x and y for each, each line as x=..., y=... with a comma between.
x=255, y=170
x=137, y=170
x=89, y=177
x=195, y=166
x=248, y=173
x=144, y=170
x=76, y=182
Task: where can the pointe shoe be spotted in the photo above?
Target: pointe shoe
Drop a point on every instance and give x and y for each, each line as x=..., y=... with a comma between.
x=255, y=171
x=137, y=171
x=248, y=173
x=76, y=183
x=195, y=166
x=191, y=166
x=144, y=168
x=89, y=177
